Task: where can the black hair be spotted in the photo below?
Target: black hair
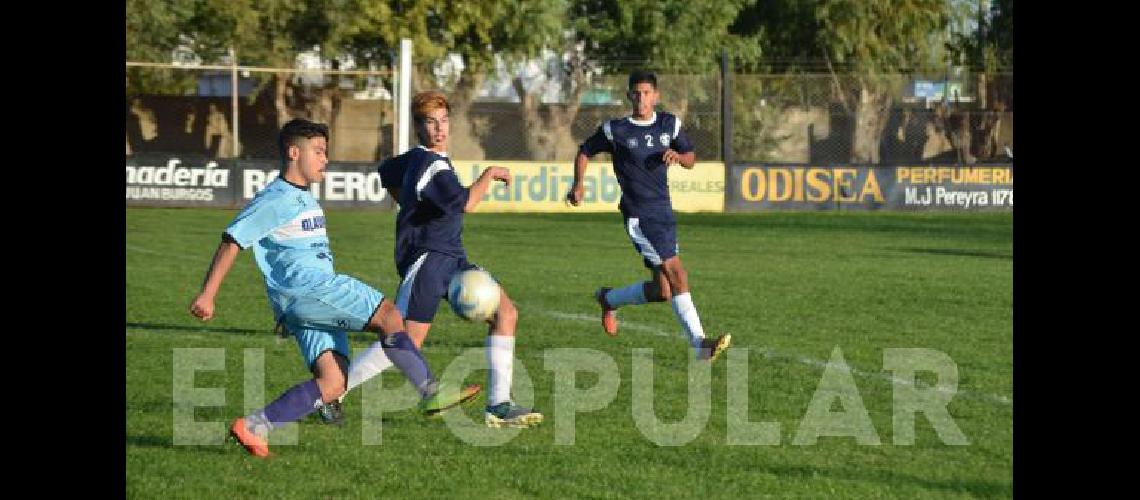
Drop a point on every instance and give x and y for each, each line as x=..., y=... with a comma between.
x=295, y=129
x=641, y=76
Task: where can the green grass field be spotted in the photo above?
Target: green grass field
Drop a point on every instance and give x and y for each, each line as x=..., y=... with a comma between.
x=791, y=288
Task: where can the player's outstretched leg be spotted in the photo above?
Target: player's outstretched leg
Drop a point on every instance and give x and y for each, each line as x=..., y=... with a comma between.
x=327, y=384
x=686, y=312
x=434, y=396
x=402, y=352
x=609, y=314
x=369, y=363
x=500, y=411
x=252, y=430
x=446, y=397
x=709, y=349
x=610, y=299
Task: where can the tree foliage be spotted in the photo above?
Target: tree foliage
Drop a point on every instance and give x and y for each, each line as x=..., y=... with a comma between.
x=152, y=34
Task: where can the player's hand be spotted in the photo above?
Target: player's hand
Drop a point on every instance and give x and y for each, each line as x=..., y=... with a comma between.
x=499, y=174
x=202, y=307
x=671, y=157
x=575, y=194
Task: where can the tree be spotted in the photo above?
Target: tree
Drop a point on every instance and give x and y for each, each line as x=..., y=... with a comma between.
x=866, y=47
x=875, y=41
x=477, y=32
x=989, y=52
x=269, y=33
x=152, y=33
x=783, y=78
x=990, y=46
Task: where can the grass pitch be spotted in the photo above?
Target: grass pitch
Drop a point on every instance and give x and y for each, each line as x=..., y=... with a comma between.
x=796, y=290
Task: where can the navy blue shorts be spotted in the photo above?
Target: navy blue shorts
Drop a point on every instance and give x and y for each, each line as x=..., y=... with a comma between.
x=655, y=240
x=426, y=284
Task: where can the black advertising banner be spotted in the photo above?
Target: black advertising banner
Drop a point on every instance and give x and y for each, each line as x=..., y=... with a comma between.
x=346, y=184
x=183, y=181
x=860, y=187
x=179, y=181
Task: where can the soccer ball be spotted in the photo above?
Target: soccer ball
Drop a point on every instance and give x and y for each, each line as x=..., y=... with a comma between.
x=473, y=295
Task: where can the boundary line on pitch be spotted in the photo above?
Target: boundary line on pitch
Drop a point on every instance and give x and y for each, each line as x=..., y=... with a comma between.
x=768, y=352
x=773, y=354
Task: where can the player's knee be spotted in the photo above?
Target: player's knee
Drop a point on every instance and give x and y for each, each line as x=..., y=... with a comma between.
x=507, y=313
x=393, y=318
x=387, y=318
x=676, y=275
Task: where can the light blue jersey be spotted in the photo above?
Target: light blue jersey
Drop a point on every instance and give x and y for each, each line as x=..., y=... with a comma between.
x=286, y=229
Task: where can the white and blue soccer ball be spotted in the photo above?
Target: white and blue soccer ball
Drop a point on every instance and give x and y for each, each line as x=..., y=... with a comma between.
x=473, y=295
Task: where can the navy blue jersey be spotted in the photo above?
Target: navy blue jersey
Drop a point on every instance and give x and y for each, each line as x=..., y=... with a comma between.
x=638, y=149
x=431, y=206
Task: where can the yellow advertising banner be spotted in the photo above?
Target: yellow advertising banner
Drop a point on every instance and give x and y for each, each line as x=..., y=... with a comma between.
x=538, y=186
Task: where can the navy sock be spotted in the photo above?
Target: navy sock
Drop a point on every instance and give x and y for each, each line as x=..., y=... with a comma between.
x=294, y=404
x=403, y=353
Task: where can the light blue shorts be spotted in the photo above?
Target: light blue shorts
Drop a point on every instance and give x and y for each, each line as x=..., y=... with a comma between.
x=313, y=343
x=320, y=317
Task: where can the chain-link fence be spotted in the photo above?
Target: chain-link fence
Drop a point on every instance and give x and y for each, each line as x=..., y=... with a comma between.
x=885, y=119
x=502, y=125
x=190, y=110
x=804, y=118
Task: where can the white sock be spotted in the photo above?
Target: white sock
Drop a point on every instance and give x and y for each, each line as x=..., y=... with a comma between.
x=687, y=316
x=366, y=365
x=631, y=295
x=500, y=359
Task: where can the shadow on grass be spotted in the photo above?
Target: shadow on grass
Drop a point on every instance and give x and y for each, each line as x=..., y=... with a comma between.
x=957, y=252
x=196, y=329
x=147, y=441
x=461, y=341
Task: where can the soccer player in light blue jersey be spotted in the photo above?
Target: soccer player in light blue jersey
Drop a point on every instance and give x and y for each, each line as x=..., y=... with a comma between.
x=643, y=146
x=429, y=251
x=285, y=227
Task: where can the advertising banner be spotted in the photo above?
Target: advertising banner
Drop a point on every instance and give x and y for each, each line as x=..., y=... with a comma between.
x=179, y=181
x=542, y=186
x=860, y=187
x=182, y=181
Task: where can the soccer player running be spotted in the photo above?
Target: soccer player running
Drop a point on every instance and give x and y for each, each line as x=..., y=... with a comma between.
x=285, y=226
x=643, y=146
x=429, y=251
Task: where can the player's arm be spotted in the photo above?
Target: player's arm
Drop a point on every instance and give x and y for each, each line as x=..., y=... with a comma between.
x=224, y=256
x=260, y=217
x=685, y=159
x=597, y=143
x=681, y=151
x=441, y=187
x=480, y=186
x=577, y=191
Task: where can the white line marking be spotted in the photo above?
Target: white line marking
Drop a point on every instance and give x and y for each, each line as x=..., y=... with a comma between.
x=772, y=354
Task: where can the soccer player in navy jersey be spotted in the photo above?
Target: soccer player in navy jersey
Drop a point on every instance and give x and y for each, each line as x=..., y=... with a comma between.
x=429, y=251
x=285, y=227
x=643, y=146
